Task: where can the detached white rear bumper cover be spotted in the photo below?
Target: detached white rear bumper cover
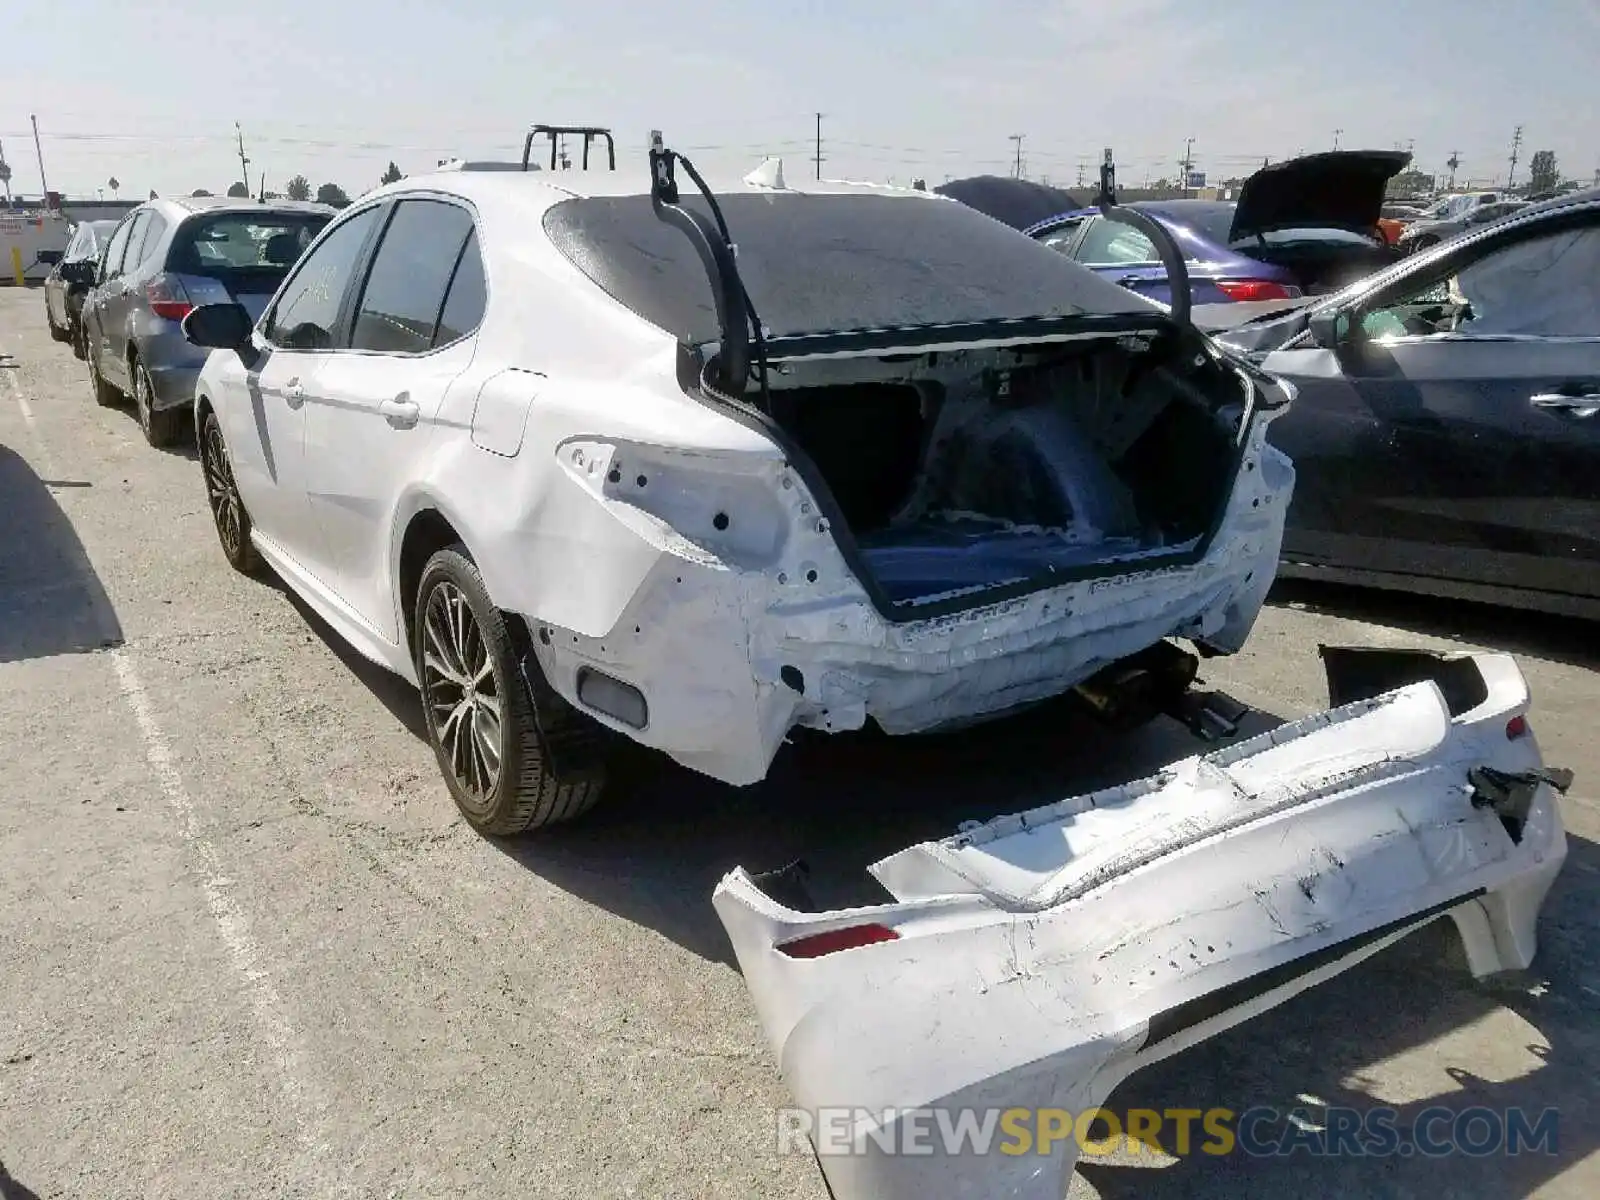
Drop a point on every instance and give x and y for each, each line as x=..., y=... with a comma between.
x=1042, y=958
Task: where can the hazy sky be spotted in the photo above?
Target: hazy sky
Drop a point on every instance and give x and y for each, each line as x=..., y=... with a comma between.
x=149, y=92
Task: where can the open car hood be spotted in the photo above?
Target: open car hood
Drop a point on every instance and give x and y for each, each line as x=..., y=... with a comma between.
x=1036, y=961
x=1342, y=188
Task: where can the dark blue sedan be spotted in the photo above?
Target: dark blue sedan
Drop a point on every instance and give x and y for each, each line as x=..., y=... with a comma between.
x=1306, y=226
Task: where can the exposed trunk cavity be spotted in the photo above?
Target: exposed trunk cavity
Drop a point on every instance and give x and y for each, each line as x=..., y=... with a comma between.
x=961, y=471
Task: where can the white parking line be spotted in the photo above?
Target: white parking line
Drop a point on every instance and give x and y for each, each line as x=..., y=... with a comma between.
x=306, y=1108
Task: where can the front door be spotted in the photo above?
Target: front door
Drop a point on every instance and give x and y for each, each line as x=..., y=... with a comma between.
x=265, y=423
x=1458, y=435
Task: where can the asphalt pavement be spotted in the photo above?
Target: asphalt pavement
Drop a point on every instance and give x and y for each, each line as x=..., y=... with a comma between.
x=247, y=949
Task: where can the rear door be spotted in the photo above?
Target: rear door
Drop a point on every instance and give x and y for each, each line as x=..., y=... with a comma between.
x=371, y=407
x=1460, y=437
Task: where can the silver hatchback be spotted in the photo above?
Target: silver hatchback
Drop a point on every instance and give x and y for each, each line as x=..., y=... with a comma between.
x=166, y=258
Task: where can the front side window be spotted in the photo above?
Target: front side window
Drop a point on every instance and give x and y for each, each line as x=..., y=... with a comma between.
x=1111, y=243
x=307, y=310
x=1542, y=286
x=469, y=295
x=406, y=289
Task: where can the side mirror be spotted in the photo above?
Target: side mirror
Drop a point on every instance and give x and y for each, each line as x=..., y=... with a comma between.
x=52, y=257
x=1328, y=328
x=218, y=327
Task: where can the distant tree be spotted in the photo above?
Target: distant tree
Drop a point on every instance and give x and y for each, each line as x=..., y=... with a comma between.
x=1411, y=183
x=391, y=175
x=239, y=192
x=113, y=184
x=298, y=188
x=199, y=192
x=153, y=195
x=332, y=193
x=1543, y=174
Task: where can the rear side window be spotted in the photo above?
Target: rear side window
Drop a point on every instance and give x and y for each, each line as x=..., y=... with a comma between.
x=1112, y=242
x=307, y=310
x=400, y=307
x=464, y=306
x=154, y=231
x=125, y=250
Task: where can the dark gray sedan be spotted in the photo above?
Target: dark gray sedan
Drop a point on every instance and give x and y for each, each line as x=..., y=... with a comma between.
x=166, y=258
x=1446, y=434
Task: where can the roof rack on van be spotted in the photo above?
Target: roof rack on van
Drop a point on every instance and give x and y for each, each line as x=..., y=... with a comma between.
x=557, y=132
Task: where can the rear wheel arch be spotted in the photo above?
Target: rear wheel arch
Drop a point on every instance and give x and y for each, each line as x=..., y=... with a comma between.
x=427, y=532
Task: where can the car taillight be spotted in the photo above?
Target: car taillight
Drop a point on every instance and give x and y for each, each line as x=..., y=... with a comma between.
x=167, y=298
x=850, y=938
x=1257, y=289
x=1518, y=727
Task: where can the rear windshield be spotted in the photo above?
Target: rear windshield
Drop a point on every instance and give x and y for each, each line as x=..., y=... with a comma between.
x=830, y=263
x=243, y=243
x=1212, y=221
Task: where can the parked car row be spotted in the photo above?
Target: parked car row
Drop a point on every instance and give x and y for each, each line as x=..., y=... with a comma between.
x=135, y=282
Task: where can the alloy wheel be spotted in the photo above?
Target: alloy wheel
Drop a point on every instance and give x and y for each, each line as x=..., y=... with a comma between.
x=462, y=695
x=226, y=508
x=142, y=399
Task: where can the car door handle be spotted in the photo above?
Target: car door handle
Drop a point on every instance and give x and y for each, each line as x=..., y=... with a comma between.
x=1579, y=404
x=293, y=393
x=1129, y=281
x=401, y=412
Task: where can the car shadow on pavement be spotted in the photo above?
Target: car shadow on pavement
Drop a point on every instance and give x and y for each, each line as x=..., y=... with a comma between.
x=656, y=845
x=10, y=1189
x=51, y=600
x=1537, y=635
x=1381, y=1036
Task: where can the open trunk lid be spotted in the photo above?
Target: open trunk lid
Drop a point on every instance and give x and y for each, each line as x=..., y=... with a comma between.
x=1342, y=188
x=1035, y=961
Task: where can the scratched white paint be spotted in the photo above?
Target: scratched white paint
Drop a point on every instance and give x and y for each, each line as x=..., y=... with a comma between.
x=1044, y=957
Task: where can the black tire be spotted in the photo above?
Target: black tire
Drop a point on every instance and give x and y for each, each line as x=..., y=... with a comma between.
x=160, y=426
x=227, y=508
x=522, y=793
x=105, y=395
x=57, y=333
x=79, y=349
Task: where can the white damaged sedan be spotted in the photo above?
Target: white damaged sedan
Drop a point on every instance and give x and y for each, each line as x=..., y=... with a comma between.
x=587, y=459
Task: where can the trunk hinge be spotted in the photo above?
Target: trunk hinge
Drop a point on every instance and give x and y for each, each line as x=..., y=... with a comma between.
x=736, y=315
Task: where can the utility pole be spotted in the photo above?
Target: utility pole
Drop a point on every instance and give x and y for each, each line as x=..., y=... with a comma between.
x=1017, y=170
x=1187, y=162
x=1080, y=173
x=43, y=186
x=1516, y=144
x=1337, y=134
x=819, y=146
x=244, y=163
x=5, y=174
x=1453, y=162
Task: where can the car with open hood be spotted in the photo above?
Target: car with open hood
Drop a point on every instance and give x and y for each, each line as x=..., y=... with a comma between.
x=1302, y=227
